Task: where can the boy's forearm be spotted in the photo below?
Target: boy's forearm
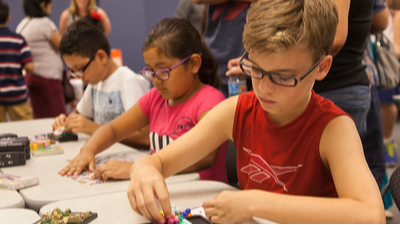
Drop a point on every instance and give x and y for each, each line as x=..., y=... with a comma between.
x=148, y=160
x=92, y=128
x=204, y=163
x=301, y=209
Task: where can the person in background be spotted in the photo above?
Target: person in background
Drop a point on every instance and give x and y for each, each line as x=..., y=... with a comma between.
x=388, y=108
x=111, y=90
x=374, y=147
x=347, y=84
x=46, y=92
x=223, y=33
x=15, y=56
x=183, y=73
x=81, y=8
x=300, y=158
x=194, y=13
x=340, y=37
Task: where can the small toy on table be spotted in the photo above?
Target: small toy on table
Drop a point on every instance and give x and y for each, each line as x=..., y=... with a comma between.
x=62, y=134
x=185, y=217
x=63, y=217
x=42, y=146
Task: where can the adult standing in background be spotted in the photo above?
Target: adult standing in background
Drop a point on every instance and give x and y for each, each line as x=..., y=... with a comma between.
x=347, y=84
x=81, y=8
x=373, y=139
x=45, y=89
x=194, y=13
x=389, y=109
x=223, y=32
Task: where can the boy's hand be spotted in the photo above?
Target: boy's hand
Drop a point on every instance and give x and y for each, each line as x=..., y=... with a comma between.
x=80, y=162
x=228, y=207
x=113, y=169
x=59, y=121
x=78, y=123
x=146, y=185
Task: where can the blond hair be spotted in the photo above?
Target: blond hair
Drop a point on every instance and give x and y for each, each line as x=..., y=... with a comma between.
x=73, y=9
x=276, y=25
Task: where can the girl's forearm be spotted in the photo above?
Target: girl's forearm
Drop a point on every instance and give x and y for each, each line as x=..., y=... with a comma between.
x=101, y=139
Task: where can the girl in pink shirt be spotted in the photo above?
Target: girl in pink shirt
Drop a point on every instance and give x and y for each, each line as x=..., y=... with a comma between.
x=183, y=73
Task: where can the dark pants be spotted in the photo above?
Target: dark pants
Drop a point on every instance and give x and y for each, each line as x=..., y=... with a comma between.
x=355, y=100
x=46, y=96
x=373, y=139
x=362, y=103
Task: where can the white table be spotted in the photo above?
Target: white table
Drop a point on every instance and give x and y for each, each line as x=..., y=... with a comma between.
x=18, y=216
x=11, y=199
x=115, y=207
x=54, y=187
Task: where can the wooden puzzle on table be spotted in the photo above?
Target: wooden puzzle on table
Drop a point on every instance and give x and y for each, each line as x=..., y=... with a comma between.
x=85, y=177
x=16, y=182
x=66, y=217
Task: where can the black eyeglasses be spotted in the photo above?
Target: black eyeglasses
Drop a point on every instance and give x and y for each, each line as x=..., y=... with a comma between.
x=80, y=73
x=281, y=79
x=162, y=74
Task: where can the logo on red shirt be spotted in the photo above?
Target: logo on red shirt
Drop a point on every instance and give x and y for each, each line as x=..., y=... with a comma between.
x=259, y=170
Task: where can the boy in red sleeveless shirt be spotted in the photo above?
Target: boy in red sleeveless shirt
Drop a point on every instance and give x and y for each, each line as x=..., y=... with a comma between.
x=300, y=158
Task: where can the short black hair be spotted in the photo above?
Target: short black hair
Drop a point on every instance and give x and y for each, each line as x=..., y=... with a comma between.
x=4, y=12
x=84, y=39
x=33, y=9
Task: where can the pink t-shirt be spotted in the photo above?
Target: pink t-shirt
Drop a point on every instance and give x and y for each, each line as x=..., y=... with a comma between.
x=167, y=123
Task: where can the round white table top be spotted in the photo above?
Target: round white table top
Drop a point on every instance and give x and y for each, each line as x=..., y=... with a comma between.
x=18, y=216
x=54, y=187
x=11, y=199
x=115, y=208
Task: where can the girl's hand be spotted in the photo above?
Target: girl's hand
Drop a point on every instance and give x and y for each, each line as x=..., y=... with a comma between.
x=147, y=185
x=80, y=162
x=113, y=169
x=59, y=121
x=228, y=207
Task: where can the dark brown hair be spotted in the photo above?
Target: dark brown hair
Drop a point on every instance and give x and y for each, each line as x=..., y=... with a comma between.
x=177, y=38
x=4, y=12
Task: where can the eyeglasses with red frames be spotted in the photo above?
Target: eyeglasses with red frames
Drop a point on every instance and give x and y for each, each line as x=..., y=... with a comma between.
x=162, y=74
